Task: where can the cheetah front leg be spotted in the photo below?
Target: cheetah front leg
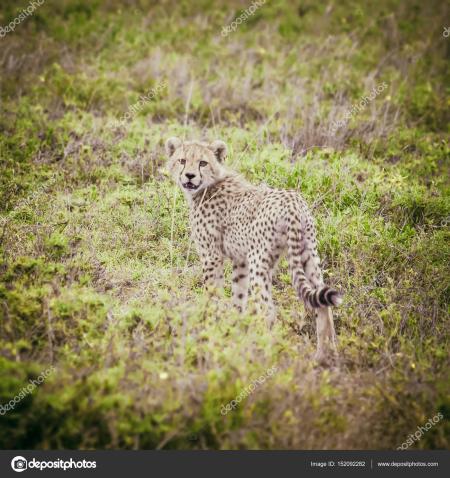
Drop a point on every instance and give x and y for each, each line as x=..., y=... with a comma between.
x=239, y=284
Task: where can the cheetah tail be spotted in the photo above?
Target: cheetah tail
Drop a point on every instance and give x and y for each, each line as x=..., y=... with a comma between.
x=305, y=269
x=324, y=296
x=321, y=296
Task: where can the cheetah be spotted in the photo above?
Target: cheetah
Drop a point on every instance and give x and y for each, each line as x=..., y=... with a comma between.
x=252, y=226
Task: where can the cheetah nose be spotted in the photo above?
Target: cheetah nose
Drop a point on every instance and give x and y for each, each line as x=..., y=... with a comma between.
x=190, y=176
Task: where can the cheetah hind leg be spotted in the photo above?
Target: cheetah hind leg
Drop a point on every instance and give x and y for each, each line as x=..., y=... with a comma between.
x=326, y=337
x=260, y=290
x=239, y=284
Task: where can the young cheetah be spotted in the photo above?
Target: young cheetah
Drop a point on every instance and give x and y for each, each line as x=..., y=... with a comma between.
x=252, y=226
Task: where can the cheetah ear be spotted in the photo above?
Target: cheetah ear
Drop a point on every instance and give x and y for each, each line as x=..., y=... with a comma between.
x=172, y=144
x=219, y=148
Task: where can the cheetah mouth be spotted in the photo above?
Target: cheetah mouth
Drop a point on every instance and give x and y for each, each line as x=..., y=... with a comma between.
x=190, y=186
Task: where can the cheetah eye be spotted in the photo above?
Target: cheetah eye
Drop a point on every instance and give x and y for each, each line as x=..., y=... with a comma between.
x=203, y=163
x=182, y=161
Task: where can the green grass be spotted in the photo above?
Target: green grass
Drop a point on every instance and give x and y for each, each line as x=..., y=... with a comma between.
x=97, y=275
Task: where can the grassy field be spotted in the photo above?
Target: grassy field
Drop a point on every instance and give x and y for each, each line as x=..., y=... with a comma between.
x=97, y=275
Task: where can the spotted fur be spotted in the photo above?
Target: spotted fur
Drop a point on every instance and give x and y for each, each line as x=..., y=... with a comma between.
x=252, y=226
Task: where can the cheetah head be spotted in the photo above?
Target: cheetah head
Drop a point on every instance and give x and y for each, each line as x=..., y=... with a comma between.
x=195, y=165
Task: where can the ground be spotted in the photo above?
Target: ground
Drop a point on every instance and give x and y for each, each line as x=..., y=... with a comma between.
x=97, y=274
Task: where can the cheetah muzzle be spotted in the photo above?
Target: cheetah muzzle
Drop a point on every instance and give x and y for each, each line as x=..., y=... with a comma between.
x=252, y=226
x=190, y=186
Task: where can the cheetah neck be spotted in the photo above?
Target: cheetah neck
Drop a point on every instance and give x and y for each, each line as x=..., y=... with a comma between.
x=229, y=181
